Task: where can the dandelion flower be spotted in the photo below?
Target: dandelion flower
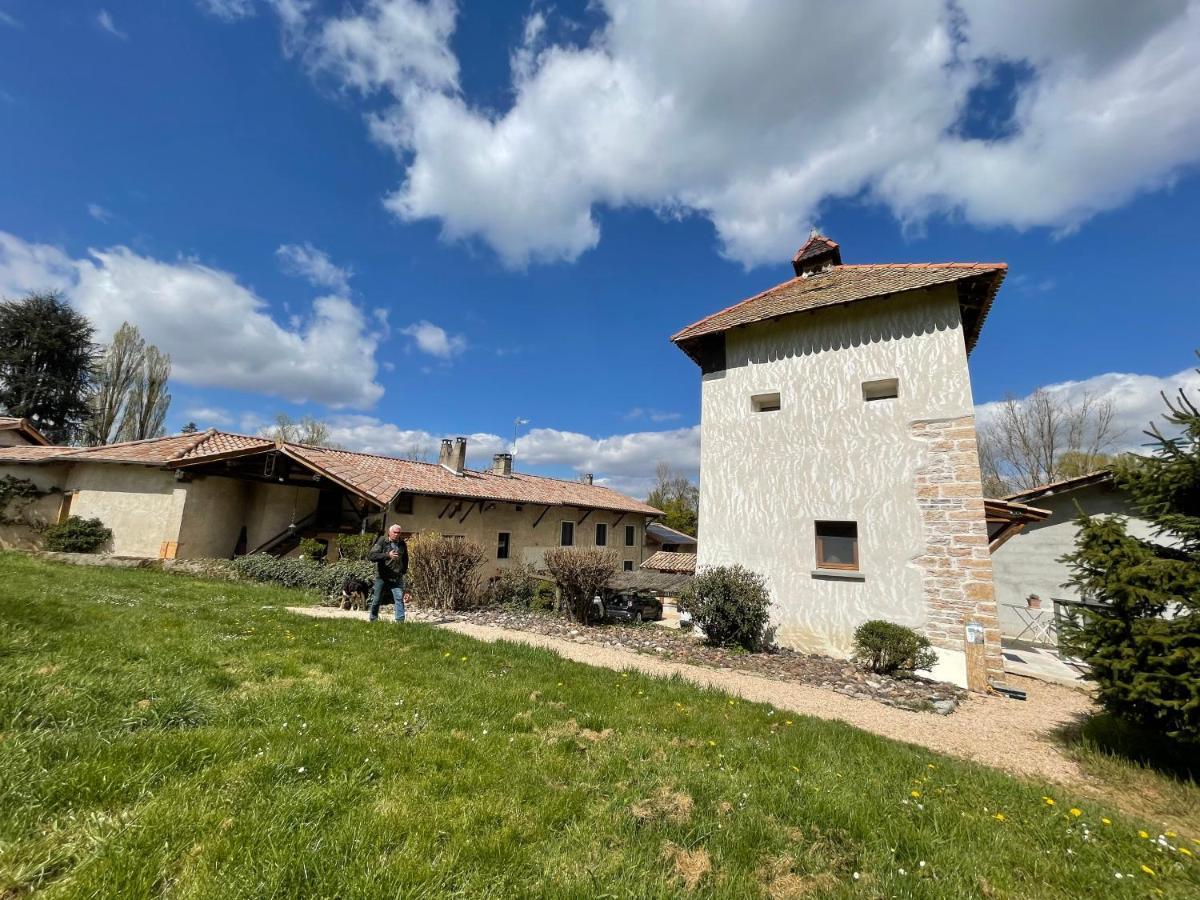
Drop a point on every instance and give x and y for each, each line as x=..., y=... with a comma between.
x=795, y=768
x=1147, y=870
x=1076, y=812
x=999, y=817
x=712, y=743
x=931, y=766
x=464, y=659
x=1049, y=801
x=914, y=793
x=1144, y=835
x=1106, y=820
x=788, y=722
x=1185, y=851
x=1172, y=834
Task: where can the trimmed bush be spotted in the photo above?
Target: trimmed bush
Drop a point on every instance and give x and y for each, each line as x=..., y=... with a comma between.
x=443, y=572
x=887, y=648
x=580, y=574
x=311, y=548
x=76, y=535
x=514, y=587
x=732, y=606
x=306, y=574
x=355, y=546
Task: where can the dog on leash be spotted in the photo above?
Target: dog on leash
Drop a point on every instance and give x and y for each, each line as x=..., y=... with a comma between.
x=356, y=592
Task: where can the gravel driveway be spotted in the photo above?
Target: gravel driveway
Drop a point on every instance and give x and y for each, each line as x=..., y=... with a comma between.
x=1007, y=734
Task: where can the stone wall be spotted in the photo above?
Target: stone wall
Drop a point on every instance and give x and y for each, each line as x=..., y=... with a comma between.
x=956, y=565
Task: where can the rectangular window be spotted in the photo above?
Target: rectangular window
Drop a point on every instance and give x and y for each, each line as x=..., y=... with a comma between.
x=601, y=534
x=630, y=536
x=404, y=504
x=566, y=534
x=502, y=545
x=883, y=389
x=837, y=545
x=628, y=566
x=765, y=402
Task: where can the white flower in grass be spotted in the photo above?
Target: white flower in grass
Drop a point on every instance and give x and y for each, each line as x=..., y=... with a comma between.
x=301, y=770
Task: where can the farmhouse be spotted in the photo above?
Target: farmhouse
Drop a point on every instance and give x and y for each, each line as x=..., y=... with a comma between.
x=218, y=494
x=838, y=451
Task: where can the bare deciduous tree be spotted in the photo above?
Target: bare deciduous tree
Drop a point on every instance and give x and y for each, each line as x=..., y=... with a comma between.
x=118, y=369
x=148, y=400
x=1043, y=438
x=308, y=430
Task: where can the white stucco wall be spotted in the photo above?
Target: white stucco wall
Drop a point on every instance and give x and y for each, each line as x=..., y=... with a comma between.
x=828, y=455
x=1028, y=563
x=142, y=505
x=213, y=515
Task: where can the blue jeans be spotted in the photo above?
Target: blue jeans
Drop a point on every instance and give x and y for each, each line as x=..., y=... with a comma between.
x=397, y=589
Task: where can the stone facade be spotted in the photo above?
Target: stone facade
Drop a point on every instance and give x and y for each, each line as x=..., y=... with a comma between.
x=956, y=564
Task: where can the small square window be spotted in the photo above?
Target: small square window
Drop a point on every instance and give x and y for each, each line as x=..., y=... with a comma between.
x=601, y=534
x=630, y=536
x=837, y=545
x=883, y=389
x=404, y=504
x=765, y=402
x=628, y=565
x=502, y=545
x=566, y=534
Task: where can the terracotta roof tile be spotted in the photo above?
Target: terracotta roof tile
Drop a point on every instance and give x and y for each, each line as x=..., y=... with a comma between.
x=847, y=284
x=662, y=561
x=11, y=423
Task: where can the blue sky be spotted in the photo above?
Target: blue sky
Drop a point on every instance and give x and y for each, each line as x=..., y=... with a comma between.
x=420, y=219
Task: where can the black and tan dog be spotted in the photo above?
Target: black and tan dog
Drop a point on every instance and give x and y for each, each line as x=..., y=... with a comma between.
x=356, y=592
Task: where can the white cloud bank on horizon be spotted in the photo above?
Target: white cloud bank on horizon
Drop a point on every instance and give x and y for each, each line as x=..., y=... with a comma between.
x=754, y=114
x=218, y=332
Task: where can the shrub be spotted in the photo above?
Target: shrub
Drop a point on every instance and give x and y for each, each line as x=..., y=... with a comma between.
x=580, y=574
x=544, y=597
x=731, y=604
x=76, y=535
x=355, y=546
x=514, y=587
x=306, y=574
x=443, y=572
x=888, y=648
x=311, y=548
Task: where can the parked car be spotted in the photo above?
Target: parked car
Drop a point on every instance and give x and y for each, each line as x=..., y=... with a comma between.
x=631, y=606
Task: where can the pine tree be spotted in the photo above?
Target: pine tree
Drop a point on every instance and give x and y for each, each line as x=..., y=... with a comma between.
x=1143, y=644
x=46, y=364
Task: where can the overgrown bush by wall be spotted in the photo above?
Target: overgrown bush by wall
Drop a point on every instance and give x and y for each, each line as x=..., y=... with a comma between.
x=443, y=572
x=889, y=649
x=515, y=587
x=302, y=573
x=580, y=574
x=76, y=535
x=355, y=546
x=732, y=606
x=311, y=548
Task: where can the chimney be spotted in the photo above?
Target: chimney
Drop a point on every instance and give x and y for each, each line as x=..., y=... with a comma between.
x=445, y=452
x=818, y=254
x=587, y=479
x=458, y=457
x=502, y=465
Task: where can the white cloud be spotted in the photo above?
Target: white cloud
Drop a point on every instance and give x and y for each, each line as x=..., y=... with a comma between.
x=654, y=415
x=1136, y=399
x=208, y=416
x=105, y=21
x=314, y=265
x=217, y=332
x=434, y=340
x=753, y=114
x=228, y=10
x=99, y=213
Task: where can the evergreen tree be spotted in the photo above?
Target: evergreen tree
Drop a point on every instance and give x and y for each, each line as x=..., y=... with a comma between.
x=1143, y=643
x=46, y=364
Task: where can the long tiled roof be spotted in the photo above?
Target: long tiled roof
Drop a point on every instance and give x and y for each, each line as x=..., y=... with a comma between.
x=1066, y=484
x=379, y=478
x=11, y=423
x=662, y=561
x=842, y=284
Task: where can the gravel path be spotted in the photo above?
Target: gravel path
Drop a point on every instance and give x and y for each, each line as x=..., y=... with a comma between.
x=1007, y=734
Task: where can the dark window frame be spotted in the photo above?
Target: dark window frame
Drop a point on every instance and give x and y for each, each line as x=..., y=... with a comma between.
x=630, y=535
x=563, y=527
x=627, y=566
x=830, y=526
x=404, y=504
x=503, y=544
x=601, y=528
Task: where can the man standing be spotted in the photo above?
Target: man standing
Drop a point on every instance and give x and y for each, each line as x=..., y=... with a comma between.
x=390, y=555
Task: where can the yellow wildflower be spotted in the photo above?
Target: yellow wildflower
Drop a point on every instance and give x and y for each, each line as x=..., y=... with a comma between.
x=931, y=766
x=1144, y=835
x=447, y=653
x=999, y=817
x=1171, y=834
x=1147, y=870
x=795, y=768
x=1076, y=812
x=464, y=659
x=1106, y=821
x=712, y=743
x=1185, y=851
x=914, y=793
x=1049, y=801
x=788, y=722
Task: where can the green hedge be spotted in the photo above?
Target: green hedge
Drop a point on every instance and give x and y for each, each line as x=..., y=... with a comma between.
x=302, y=573
x=76, y=535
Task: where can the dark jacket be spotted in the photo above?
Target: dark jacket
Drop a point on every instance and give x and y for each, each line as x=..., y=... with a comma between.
x=387, y=568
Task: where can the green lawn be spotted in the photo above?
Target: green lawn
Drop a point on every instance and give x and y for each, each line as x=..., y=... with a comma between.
x=162, y=735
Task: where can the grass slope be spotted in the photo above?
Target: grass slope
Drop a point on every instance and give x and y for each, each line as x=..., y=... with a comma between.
x=166, y=735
